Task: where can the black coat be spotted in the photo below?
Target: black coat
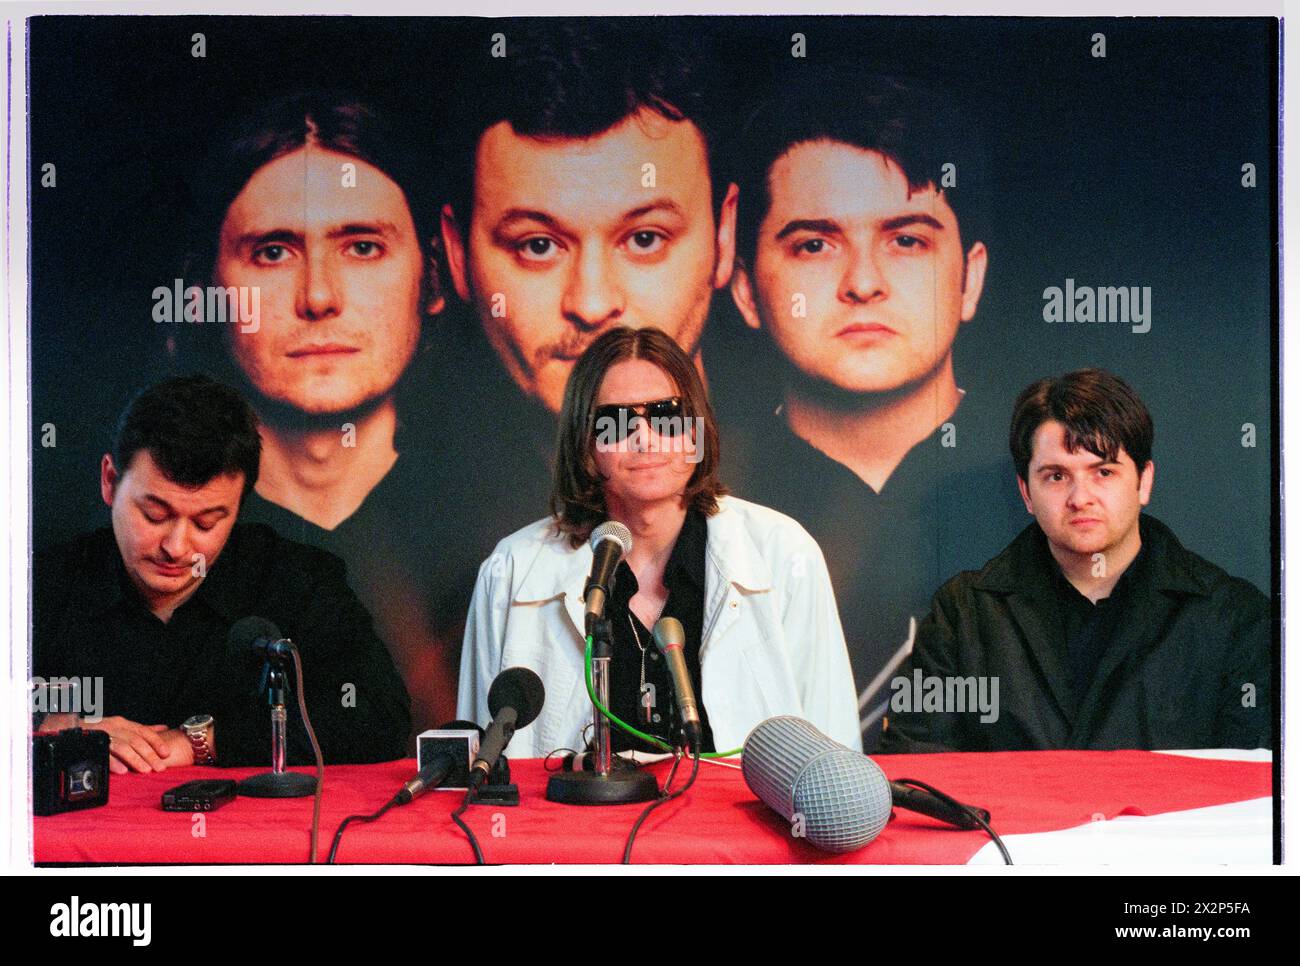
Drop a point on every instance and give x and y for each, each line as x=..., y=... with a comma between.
x=1188, y=643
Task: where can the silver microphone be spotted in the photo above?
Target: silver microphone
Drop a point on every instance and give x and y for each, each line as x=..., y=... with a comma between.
x=610, y=543
x=670, y=638
x=838, y=799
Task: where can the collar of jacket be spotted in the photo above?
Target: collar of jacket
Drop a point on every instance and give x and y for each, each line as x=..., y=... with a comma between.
x=1018, y=569
x=1021, y=574
x=730, y=555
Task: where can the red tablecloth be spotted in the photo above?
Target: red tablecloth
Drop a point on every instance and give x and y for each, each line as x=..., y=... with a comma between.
x=717, y=821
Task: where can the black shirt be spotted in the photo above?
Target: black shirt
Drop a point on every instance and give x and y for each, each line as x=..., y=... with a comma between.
x=90, y=621
x=407, y=569
x=1085, y=627
x=949, y=506
x=684, y=578
x=474, y=466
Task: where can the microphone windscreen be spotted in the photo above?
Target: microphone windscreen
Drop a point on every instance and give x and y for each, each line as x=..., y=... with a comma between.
x=518, y=688
x=838, y=799
x=246, y=630
x=612, y=530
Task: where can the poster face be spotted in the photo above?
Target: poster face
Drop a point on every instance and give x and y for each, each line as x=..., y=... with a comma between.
x=395, y=238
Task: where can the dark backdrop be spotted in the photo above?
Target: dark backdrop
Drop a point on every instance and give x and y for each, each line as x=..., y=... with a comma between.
x=1117, y=171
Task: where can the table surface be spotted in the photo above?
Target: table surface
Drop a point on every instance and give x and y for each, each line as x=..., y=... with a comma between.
x=1029, y=794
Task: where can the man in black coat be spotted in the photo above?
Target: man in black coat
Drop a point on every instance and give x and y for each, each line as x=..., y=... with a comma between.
x=1095, y=628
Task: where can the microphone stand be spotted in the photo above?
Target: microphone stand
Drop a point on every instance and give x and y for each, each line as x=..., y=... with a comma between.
x=601, y=651
x=277, y=783
x=604, y=785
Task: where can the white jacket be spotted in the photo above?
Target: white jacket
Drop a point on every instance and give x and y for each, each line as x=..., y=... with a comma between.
x=771, y=644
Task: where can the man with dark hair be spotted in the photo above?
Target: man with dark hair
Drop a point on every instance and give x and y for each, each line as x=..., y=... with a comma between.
x=1099, y=628
x=323, y=206
x=861, y=259
x=587, y=192
x=638, y=445
x=314, y=210
x=147, y=605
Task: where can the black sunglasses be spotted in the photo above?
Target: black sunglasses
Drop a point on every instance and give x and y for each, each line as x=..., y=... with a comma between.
x=616, y=420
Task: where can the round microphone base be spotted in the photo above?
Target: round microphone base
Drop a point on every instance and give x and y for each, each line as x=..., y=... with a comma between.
x=284, y=785
x=593, y=788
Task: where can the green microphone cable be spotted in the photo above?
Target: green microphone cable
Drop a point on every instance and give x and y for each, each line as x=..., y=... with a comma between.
x=649, y=739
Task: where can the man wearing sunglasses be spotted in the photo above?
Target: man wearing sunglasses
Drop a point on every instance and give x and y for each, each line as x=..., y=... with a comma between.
x=638, y=444
x=662, y=417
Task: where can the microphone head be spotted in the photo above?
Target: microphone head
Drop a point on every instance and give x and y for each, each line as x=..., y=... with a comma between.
x=668, y=633
x=518, y=688
x=612, y=530
x=836, y=798
x=248, y=630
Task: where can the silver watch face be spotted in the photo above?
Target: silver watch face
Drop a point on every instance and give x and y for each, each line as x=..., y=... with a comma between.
x=197, y=722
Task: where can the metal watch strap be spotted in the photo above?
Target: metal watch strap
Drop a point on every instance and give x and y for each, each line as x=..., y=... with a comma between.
x=199, y=742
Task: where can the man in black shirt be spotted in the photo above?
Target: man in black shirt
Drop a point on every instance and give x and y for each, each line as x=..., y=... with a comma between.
x=147, y=606
x=337, y=363
x=1095, y=627
x=860, y=260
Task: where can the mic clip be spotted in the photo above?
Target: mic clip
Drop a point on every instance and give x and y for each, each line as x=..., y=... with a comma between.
x=601, y=632
x=498, y=789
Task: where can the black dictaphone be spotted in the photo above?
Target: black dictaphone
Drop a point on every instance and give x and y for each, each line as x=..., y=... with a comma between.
x=203, y=795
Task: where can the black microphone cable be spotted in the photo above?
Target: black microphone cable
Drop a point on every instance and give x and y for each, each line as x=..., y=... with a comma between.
x=665, y=797
x=974, y=815
x=469, y=832
x=431, y=776
x=338, y=835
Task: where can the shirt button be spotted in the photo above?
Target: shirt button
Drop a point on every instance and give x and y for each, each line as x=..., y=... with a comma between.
x=654, y=655
x=733, y=605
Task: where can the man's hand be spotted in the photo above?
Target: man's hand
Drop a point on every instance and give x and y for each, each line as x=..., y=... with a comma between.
x=137, y=747
x=182, y=752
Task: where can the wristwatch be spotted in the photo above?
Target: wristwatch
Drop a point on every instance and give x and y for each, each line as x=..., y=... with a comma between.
x=201, y=730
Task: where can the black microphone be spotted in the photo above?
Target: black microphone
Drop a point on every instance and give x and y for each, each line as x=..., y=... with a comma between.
x=262, y=637
x=670, y=638
x=610, y=543
x=431, y=776
x=514, y=701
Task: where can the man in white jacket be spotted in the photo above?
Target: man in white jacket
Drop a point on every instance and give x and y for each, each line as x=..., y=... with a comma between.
x=638, y=444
